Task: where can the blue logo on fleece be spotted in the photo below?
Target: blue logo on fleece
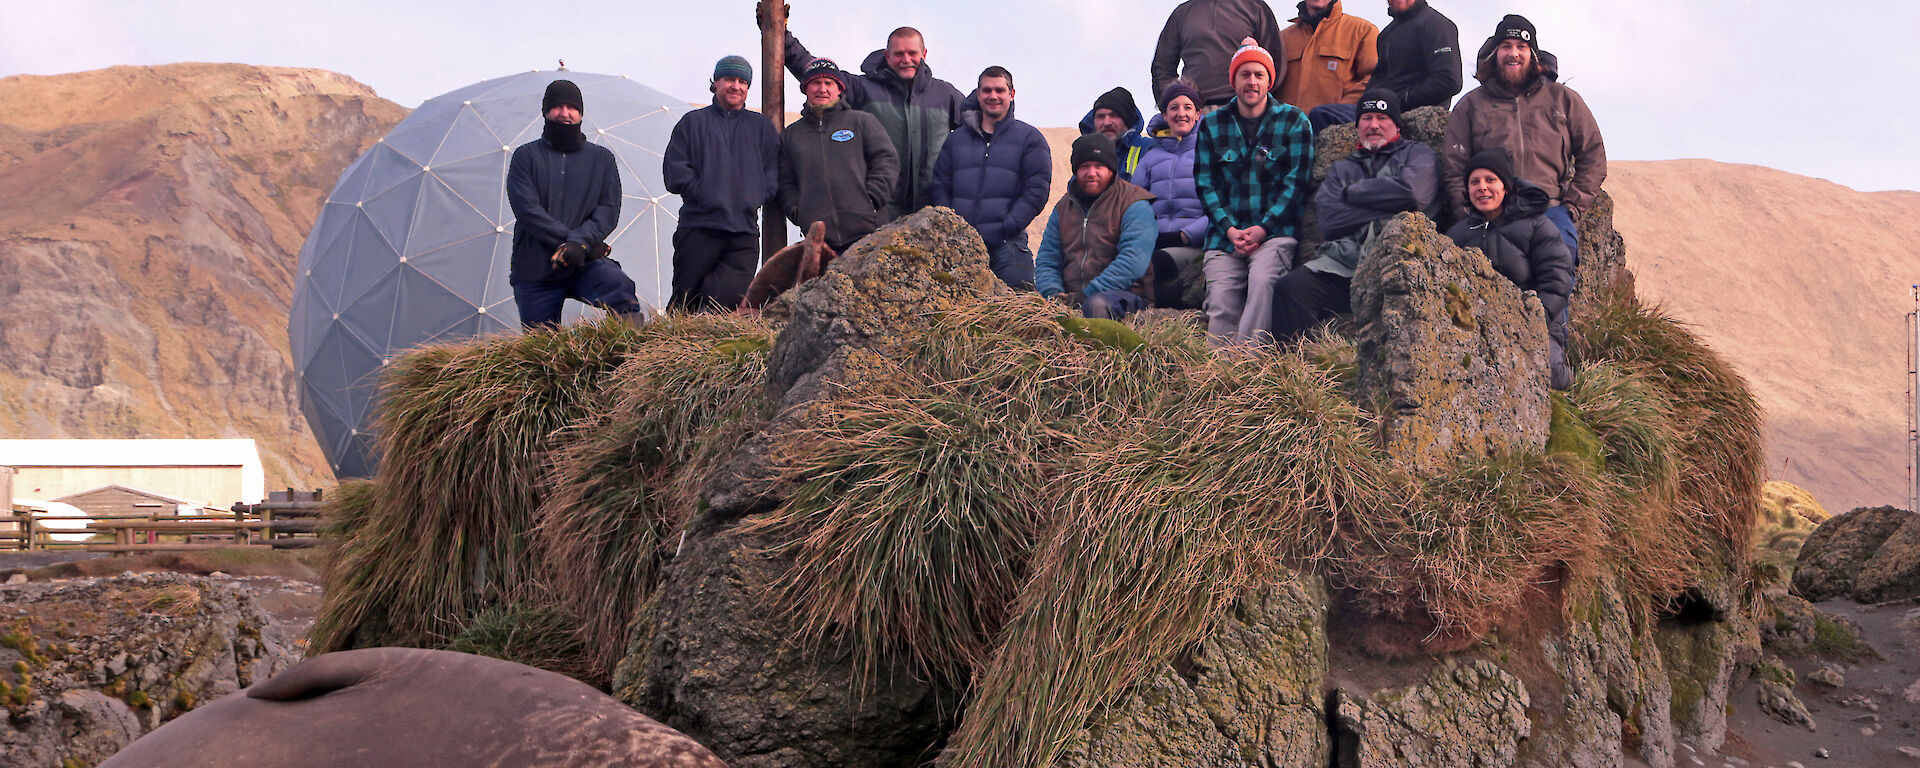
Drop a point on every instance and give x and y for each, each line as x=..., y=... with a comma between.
x=843, y=135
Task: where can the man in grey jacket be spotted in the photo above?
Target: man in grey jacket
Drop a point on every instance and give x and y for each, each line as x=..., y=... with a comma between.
x=836, y=164
x=1203, y=35
x=1386, y=175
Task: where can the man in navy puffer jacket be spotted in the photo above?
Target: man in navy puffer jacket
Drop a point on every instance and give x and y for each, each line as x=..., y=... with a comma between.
x=995, y=172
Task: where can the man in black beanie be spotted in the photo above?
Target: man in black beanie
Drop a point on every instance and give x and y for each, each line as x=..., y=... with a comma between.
x=1115, y=116
x=565, y=195
x=1096, y=253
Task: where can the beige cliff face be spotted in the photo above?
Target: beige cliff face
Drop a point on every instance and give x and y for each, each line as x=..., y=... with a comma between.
x=150, y=219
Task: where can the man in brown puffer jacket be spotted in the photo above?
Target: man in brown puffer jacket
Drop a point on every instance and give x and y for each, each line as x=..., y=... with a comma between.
x=1544, y=126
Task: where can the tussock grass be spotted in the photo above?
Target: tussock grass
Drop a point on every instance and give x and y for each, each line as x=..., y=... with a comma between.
x=533, y=631
x=625, y=481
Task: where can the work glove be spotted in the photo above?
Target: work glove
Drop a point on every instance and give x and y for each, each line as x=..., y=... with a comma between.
x=570, y=255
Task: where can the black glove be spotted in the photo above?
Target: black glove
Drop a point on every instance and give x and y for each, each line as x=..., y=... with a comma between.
x=1171, y=240
x=570, y=254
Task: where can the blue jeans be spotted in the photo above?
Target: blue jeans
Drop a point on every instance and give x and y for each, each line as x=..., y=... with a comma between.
x=1332, y=114
x=1013, y=263
x=1563, y=221
x=600, y=283
x=1112, y=305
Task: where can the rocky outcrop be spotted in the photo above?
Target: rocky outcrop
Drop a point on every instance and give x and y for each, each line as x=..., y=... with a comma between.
x=1871, y=555
x=1452, y=357
x=91, y=665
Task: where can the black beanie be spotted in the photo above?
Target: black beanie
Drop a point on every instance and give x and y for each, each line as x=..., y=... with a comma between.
x=1383, y=101
x=1516, y=27
x=1096, y=147
x=1120, y=100
x=562, y=92
x=1496, y=160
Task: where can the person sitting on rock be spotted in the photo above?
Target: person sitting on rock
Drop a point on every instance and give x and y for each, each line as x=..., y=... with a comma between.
x=836, y=164
x=1115, y=116
x=1167, y=171
x=1509, y=225
x=1096, y=251
x=1330, y=56
x=1545, y=127
x=1387, y=174
x=995, y=172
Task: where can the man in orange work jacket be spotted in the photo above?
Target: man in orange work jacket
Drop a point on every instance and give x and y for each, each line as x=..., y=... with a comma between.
x=1330, y=56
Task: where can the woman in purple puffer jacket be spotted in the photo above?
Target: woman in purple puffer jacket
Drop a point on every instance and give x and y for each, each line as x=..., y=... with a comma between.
x=1166, y=170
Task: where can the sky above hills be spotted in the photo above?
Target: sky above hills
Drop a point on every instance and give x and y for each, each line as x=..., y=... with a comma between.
x=1820, y=89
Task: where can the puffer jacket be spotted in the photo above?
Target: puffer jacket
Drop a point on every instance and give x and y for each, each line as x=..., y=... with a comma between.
x=1524, y=246
x=917, y=116
x=838, y=167
x=1329, y=62
x=1365, y=189
x=1545, y=126
x=1200, y=38
x=1167, y=172
x=998, y=182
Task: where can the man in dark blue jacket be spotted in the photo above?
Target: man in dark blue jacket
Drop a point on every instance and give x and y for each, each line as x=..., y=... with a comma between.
x=1115, y=116
x=565, y=195
x=995, y=172
x=1418, y=59
x=724, y=163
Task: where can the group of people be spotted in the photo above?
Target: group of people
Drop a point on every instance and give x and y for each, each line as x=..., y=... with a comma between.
x=1216, y=180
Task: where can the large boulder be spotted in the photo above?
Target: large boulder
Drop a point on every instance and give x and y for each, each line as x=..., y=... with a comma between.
x=1452, y=357
x=1871, y=554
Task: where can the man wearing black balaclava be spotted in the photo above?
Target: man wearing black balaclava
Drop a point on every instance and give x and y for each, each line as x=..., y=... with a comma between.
x=565, y=194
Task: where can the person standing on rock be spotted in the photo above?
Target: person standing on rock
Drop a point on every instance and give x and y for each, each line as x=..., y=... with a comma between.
x=916, y=110
x=1417, y=57
x=1330, y=56
x=1115, y=116
x=1251, y=165
x=565, y=195
x=1509, y=225
x=995, y=172
x=1387, y=174
x=1167, y=171
x=1545, y=127
x=1096, y=252
x=724, y=163
x=836, y=164
x=1200, y=39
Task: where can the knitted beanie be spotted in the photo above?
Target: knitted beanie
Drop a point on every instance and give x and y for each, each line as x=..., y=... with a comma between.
x=562, y=92
x=733, y=66
x=1251, y=51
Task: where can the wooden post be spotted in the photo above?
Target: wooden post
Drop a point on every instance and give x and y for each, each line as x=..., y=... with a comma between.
x=773, y=104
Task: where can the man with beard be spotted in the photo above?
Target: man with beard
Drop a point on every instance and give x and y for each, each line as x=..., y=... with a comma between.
x=916, y=109
x=723, y=161
x=1417, y=57
x=565, y=195
x=995, y=172
x=1330, y=55
x=1386, y=175
x=836, y=165
x=1545, y=127
x=1115, y=116
x=1097, y=248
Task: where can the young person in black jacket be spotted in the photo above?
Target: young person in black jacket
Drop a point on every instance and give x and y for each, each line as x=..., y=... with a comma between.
x=724, y=163
x=565, y=195
x=1418, y=60
x=1508, y=224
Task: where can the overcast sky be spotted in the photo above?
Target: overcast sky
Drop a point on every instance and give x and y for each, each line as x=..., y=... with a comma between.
x=1823, y=89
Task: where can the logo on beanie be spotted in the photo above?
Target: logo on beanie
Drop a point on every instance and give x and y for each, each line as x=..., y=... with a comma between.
x=843, y=135
x=1520, y=34
x=1379, y=105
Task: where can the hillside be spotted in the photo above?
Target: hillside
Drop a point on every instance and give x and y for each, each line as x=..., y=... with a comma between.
x=149, y=222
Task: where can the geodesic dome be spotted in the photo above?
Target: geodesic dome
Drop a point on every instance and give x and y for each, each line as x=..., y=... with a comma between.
x=413, y=244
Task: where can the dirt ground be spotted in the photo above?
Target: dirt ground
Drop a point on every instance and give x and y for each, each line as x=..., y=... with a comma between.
x=287, y=583
x=1864, y=722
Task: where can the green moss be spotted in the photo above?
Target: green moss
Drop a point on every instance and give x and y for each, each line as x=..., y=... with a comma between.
x=1772, y=670
x=1835, y=640
x=140, y=699
x=1460, y=308
x=1569, y=435
x=744, y=347
x=73, y=762
x=1101, y=332
x=184, y=700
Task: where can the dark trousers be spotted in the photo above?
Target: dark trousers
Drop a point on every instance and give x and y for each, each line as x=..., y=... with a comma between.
x=1013, y=263
x=712, y=269
x=1569, y=234
x=1331, y=114
x=1303, y=298
x=600, y=283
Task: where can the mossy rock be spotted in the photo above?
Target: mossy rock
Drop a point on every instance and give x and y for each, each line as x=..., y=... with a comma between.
x=1568, y=434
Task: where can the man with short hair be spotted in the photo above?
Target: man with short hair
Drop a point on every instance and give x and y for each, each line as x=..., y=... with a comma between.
x=1545, y=127
x=565, y=196
x=995, y=171
x=1096, y=252
x=1251, y=164
x=916, y=109
x=1330, y=56
x=1385, y=175
x=1200, y=38
x=724, y=163
x=836, y=165
x=1417, y=57
x=1115, y=117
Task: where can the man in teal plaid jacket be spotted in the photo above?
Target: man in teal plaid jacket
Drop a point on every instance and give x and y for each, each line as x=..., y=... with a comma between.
x=1251, y=162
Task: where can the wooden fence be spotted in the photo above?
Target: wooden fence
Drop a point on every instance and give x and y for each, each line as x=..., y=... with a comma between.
x=273, y=524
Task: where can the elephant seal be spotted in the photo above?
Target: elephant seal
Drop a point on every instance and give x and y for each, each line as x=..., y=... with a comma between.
x=419, y=708
x=791, y=266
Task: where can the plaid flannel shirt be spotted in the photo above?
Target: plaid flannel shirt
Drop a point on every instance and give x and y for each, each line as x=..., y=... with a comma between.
x=1253, y=181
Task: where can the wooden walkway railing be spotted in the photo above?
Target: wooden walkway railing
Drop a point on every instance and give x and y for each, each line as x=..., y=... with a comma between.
x=274, y=524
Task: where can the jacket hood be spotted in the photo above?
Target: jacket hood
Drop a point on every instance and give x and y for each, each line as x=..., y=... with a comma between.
x=875, y=66
x=1524, y=200
x=1483, y=66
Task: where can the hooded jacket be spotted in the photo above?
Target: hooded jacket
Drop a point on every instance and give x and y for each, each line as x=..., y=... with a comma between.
x=838, y=167
x=1167, y=172
x=724, y=165
x=559, y=197
x=1366, y=188
x=1419, y=57
x=1202, y=35
x=1131, y=145
x=997, y=181
x=916, y=116
x=1545, y=127
x=1329, y=62
x=1523, y=245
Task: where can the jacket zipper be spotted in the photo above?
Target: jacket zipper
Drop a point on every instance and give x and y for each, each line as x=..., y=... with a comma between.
x=833, y=207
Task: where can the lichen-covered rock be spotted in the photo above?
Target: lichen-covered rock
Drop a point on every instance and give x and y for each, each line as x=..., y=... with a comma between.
x=1614, y=692
x=1249, y=694
x=1843, y=557
x=1709, y=635
x=1778, y=702
x=1465, y=713
x=1452, y=357
x=107, y=660
x=712, y=661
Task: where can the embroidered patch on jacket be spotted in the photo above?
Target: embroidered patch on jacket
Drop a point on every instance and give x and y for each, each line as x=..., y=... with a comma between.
x=843, y=135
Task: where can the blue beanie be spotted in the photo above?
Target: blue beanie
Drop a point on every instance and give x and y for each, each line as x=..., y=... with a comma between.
x=733, y=66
